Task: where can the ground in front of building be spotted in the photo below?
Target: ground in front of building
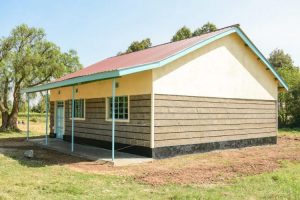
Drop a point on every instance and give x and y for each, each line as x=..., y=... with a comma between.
x=252, y=173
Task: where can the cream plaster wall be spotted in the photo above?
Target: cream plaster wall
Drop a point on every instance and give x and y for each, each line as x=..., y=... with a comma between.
x=134, y=84
x=225, y=68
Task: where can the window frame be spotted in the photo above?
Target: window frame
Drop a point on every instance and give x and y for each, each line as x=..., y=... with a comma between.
x=70, y=109
x=107, y=107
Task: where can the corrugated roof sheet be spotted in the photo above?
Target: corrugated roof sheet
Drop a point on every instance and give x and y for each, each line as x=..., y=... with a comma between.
x=150, y=55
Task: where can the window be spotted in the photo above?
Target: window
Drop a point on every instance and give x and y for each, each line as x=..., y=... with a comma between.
x=79, y=108
x=121, y=108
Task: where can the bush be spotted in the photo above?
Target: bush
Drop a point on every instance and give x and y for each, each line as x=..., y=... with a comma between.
x=33, y=119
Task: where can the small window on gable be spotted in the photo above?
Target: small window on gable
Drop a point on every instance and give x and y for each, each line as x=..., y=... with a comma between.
x=79, y=108
x=121, y=108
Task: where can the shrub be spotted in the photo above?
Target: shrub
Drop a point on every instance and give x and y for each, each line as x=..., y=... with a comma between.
x=33, y=119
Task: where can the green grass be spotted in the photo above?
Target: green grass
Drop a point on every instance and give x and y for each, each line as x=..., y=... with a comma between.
x=11, y=134
x=31, y=179
x=282, y=184
x=39, y=117
x=32, y=114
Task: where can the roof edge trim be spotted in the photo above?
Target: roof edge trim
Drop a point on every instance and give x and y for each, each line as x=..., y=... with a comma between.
x=73, y=81
x=261, y=56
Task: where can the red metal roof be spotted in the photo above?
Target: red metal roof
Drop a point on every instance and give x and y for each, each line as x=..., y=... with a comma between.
x=146, y=56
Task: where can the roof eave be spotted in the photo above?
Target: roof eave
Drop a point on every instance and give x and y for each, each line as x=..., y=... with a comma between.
x=261, y=57
x=73, y=81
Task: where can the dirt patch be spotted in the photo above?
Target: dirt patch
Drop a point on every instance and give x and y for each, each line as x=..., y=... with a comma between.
x=206, y=168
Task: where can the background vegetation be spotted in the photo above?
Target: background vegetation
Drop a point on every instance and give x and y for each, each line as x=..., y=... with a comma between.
x=288, y=102
x=28, y=59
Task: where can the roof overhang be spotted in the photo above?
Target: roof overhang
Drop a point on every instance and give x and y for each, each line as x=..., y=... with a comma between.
x=157, y=64
x=73, y=81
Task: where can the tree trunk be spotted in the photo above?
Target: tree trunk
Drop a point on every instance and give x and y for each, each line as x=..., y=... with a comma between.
x=10, y=121
x=4, y=106
x=13, y=117
x=4, y=120
x=13, y=121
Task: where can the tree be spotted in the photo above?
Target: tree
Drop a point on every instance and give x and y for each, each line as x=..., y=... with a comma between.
x=181, y=34
x=137, y=46
x=288, y=102
x=206, y=28
x=40, y=107
x=5, y=46
x=29, y=59
x=279, y=59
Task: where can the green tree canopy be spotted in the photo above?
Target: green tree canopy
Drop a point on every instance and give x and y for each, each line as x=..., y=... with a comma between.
x=40, y=107
x=137, y=46
x=289, y=102
x=181, y=34
x=279, y=59
x=28, y=59
x=184, y=32
x=206, y=28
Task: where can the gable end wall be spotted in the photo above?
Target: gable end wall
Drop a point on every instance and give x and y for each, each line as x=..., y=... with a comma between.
x=218, y=95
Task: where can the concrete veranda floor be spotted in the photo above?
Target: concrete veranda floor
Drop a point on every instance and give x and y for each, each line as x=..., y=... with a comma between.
x=91, y=153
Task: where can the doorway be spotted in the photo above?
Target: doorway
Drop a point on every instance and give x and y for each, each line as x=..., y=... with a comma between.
x=59, y=127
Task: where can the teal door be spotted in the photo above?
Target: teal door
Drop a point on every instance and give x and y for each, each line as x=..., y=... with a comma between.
x=59, y=127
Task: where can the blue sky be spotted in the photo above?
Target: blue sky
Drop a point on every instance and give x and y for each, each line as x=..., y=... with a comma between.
x=98, y=29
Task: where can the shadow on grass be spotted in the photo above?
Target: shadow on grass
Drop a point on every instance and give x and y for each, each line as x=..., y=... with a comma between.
x=289, y=132
x=15, y=147
x=290, y=129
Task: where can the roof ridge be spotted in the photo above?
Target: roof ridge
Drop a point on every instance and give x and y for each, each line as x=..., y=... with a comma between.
x=231, y=26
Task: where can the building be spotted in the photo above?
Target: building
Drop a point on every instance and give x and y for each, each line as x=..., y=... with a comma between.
x=213, y=91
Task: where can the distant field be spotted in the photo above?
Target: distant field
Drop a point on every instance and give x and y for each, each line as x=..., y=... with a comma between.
x=37, y=124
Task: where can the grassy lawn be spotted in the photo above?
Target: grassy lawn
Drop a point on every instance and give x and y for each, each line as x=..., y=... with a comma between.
x=33, y=180
x=21, y=178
